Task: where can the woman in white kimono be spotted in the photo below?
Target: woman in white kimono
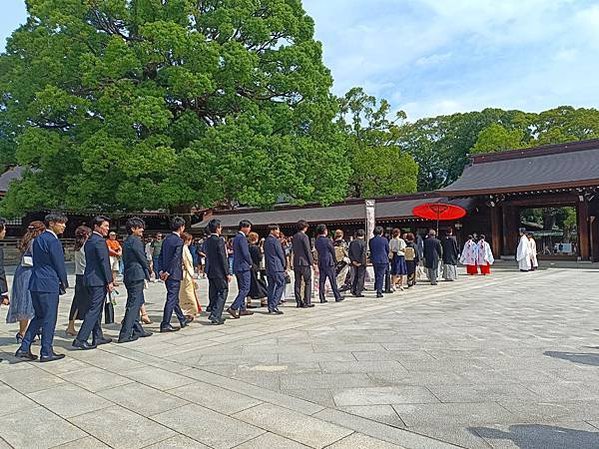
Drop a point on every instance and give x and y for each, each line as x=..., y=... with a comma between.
x=532, y=246
x=484, y=256
x=469, y=256
x=523, y=252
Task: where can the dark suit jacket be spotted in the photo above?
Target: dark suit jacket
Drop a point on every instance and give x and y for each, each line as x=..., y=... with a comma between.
x=97, y=262
x=256, y=257
x=379, y=250
x=274, y=255
x=242, y=260
x=302, y=253
x=171, y=256
x=3, y=283
x=432, y=252
x=451, y=251
x=217, y=265
x=326, y=251
x=357, y=251
x=135, y=261
x=48, y=274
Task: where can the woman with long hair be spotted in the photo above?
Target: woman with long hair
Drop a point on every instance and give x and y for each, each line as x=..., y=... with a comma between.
x=81, y=299
x=188, y=296
x=21, y=306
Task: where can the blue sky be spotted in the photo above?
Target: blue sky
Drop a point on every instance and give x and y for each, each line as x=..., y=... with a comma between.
x=431, y=57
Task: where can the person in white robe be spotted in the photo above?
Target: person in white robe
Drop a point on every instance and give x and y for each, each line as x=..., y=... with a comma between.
x=484, y=256
x=523, y=252
x=469, y=256
x=532, y=246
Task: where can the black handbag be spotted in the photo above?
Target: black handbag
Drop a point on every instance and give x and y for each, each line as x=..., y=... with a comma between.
x=108, y=310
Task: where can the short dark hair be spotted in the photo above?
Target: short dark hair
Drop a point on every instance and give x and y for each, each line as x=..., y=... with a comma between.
x=301, y=225
x=482, y=236
x=378, y=230
x=449, y=232
x=134, y=223
x=2, y=224
x=321, y=229
x=273, y=227
x=213, y=225
x=177, y=223
x=360, y=233
x=55, y=217
x=98, y=220
x=245, y=224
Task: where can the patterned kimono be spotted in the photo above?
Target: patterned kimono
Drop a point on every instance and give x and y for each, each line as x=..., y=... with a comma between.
x=469, y=257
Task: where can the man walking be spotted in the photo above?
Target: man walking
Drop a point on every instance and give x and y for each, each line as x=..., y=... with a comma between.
x=48, y=281
x=302, y=265
x=98, y=280
x=242, y=265
x=326, y=264
x=451, y=253
x=432, y=254
x=171, y=272
x=274, y=257
x=357, y=256
x=156, y=246
x=136, y=272
x=217, y=270
x=379, y=256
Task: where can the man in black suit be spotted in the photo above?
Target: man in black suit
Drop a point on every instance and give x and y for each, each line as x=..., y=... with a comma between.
x=357, y=256
x=302, y=265
x=242, y=264
x=433, y=252
x=275, y=260
x=326, y=263
x=3, y=284
x=136, y=273
x=171, y=272
x=98, y=280
x=217, y=270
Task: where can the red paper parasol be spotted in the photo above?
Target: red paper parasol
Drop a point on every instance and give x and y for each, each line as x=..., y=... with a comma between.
x=439, y=212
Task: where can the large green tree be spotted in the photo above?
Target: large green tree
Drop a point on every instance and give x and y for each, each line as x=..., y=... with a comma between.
x=379, y=165
x=133, y=104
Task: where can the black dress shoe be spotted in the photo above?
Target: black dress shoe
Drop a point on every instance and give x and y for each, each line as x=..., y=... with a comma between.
x=128, y=339
x=341, y=298
x=25, y=355
x=234, y=313
x=379, y=295
x=185, y=322
x=83, y=345
x=102, y=341
x=299, y=305
x=359, y=296
x=322, y=301
x=305, y=306
x=168, y=328
x=276, y=311
x=144, y=334
x=217, y=322
x=51, y=358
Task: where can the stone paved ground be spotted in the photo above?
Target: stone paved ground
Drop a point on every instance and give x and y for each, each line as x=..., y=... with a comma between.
x=510, y=361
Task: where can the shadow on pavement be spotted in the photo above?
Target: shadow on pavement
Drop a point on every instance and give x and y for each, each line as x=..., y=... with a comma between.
x=536, y=436
x=583, y=358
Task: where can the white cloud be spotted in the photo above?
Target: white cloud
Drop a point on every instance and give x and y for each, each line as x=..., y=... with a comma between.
x=433, y=57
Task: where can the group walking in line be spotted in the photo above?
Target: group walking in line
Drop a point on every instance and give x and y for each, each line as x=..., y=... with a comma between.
x=261, y=268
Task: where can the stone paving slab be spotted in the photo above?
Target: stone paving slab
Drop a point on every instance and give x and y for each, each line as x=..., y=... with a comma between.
x=477, y=363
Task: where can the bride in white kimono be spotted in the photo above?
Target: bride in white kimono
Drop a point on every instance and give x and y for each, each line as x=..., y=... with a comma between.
x=532, y=246
x=523, y=252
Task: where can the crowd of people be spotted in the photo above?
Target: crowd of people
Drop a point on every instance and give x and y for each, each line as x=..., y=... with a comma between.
x=262, y=268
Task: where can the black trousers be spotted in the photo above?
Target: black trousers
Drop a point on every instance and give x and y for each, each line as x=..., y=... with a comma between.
x=303, y=275
x=218, y=289
x=327, y=272
x=93, y=316
x=135, y=299
x=359, y=274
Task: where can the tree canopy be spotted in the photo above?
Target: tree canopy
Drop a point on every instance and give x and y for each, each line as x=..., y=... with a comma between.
x=131, y=104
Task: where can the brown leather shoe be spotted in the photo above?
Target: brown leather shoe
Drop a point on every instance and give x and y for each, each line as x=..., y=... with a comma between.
x=246, y=313
x=233, y=313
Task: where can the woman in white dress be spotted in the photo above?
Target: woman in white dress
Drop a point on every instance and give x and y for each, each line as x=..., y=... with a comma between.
x=484, y=256
x=469, y=256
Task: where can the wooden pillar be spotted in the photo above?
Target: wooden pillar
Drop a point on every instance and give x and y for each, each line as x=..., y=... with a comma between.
x=583, y=230
x=496, y=237
x=511, y=223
